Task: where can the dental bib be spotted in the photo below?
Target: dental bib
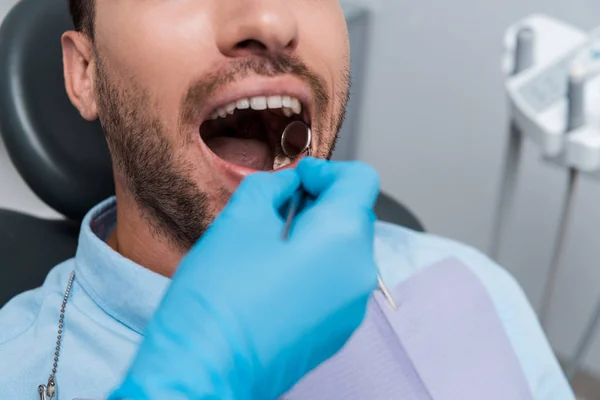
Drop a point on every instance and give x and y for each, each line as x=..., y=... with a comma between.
x=444, y=342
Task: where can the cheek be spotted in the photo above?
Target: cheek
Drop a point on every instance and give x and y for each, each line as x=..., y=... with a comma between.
x=325, y=47
x=324, y=37
x=162, y=51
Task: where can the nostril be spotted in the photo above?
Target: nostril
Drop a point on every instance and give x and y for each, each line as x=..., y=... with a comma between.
x=251, y=45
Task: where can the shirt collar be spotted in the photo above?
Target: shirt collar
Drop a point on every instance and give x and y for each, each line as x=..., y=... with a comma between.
x=125, y=290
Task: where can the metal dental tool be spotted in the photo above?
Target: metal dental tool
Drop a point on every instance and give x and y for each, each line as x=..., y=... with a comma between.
x=295, y=141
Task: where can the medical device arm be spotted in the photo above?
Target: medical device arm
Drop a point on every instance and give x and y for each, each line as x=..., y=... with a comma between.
x=248, y=314
x=524, y=50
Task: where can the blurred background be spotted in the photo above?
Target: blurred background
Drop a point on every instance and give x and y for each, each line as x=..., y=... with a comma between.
x=431, y=114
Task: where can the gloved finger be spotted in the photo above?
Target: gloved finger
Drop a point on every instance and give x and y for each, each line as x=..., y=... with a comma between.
x=351, y=182
x=264, y=190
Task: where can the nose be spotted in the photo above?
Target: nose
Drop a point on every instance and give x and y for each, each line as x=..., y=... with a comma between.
x=256, y=27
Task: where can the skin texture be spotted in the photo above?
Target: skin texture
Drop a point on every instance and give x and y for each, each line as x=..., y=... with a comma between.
x=154, y=68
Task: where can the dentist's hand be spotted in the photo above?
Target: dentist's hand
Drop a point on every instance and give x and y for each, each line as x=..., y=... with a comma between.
x=248, y=314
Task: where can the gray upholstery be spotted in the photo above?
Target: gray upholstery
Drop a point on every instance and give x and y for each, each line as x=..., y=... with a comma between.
x=29, y=247
x=63, y=158
x=390, y=210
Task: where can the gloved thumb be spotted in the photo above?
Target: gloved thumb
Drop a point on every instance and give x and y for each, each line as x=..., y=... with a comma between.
x=264, y=189
x=350, y=183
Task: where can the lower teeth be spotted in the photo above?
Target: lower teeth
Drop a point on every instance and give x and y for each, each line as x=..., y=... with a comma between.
x=281, y=161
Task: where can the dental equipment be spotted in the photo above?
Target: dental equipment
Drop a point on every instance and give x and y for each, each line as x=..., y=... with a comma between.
x=553, y=85
x=295, y=140
x=575, y=119
x=523, y=59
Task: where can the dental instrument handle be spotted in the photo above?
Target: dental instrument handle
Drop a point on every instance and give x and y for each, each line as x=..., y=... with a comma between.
x=294, y=208
x=524, y=59
x=576, y=98
x=386, y=293
x=524, y=52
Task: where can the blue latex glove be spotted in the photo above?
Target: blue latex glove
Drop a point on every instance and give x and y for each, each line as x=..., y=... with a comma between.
x=248, y=314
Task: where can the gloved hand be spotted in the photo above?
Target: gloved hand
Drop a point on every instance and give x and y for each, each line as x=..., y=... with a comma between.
x=248, y=314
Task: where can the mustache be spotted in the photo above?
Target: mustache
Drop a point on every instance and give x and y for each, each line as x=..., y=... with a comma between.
x=267, y=66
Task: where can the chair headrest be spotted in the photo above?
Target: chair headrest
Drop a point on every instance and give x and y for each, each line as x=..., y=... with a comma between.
x=63, y=158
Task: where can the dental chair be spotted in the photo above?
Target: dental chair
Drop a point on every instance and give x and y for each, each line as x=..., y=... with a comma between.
x=62, y=158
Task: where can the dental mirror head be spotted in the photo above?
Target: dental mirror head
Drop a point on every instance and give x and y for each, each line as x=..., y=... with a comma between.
x=296, y=139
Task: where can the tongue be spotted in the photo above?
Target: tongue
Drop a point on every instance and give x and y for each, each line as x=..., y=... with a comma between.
x=249, y=153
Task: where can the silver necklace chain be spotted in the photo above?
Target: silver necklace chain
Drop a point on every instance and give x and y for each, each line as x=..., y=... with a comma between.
x=47, y=392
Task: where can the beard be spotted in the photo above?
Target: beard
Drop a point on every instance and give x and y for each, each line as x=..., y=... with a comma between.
x=144, y=154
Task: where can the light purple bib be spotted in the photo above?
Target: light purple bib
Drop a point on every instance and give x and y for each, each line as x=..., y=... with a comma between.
x=444, y=342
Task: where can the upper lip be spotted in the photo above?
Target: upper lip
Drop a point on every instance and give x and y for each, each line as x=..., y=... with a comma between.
x=259, y=86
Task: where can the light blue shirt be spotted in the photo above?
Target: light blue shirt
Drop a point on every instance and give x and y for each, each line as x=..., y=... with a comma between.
x=113, y=298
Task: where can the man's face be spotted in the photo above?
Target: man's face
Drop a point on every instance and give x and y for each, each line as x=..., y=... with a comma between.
x=193, y=96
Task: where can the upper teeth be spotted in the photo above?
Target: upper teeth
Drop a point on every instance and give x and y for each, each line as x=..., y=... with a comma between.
x=288, y=105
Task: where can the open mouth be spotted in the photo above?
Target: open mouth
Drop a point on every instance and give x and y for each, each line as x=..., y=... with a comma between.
x=247, y=132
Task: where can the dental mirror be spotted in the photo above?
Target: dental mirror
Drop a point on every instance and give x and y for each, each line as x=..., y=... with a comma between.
x=296, y=139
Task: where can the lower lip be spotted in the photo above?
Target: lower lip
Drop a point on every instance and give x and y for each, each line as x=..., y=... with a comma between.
x=237, y=172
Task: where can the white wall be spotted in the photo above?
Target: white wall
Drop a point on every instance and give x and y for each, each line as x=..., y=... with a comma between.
x=434, y=124
x=5, y=6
